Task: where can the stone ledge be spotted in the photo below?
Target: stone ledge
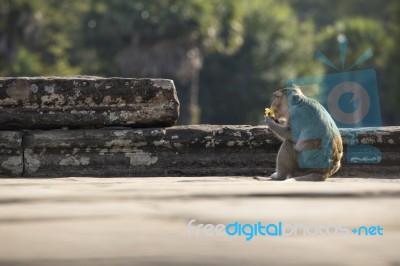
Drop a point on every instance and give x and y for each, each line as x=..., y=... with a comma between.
x=174, y=151
x=11, y=153
x=181, y=150
x=86, y=101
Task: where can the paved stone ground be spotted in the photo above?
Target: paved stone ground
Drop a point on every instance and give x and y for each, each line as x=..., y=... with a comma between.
x=144, y=221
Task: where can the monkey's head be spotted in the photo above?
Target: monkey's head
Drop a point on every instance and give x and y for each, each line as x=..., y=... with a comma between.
x=280, y=105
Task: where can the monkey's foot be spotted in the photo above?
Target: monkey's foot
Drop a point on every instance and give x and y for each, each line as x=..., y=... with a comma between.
x=311, y=177
x=278, y=176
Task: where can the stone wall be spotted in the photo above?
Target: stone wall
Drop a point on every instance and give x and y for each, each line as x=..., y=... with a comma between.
x=173, y=151
x=82, y=130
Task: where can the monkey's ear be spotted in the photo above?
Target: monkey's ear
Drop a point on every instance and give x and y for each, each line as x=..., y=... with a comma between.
x=294, y=98
x=277, y=93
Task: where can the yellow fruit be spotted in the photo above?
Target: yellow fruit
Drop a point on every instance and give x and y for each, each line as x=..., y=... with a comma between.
x=269, y=112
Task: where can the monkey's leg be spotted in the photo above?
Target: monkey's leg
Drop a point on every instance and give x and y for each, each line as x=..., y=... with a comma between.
x=286, y=161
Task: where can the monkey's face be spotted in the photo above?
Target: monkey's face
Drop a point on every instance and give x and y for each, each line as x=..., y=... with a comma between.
x=280, y=104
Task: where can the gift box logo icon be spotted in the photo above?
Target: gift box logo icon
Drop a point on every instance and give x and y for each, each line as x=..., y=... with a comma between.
x=350, y=97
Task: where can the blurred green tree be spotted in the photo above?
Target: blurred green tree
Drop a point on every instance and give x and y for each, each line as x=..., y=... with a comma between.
x=244, y=49
x=236, y=88
x=325, y=13
x=366, y=24
x=17, y=27
x=37, y=37
x=361, y=34
x=164, y=39
x=392, y=98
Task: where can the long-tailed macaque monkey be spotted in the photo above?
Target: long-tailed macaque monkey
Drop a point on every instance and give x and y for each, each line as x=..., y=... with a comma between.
x=312, y=146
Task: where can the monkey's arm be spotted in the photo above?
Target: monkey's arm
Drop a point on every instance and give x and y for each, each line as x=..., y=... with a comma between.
x=282, y=132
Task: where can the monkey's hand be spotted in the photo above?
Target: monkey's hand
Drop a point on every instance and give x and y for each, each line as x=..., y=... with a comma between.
x=270, y=113
x=280, y=131
x=269, y=120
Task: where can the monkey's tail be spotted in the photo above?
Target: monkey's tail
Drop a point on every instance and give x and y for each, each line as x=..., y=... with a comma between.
x=337, y=148
x=334, y=169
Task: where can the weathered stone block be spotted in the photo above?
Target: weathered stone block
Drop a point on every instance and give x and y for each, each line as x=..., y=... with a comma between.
x=380, y=156
x=11, y=157
x=181, y=150
x=76, y=102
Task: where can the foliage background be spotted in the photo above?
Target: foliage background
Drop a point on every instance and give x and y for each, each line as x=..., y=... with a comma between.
x=226, y=57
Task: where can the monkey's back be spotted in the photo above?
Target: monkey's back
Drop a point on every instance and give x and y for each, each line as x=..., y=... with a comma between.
x=316, y=135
